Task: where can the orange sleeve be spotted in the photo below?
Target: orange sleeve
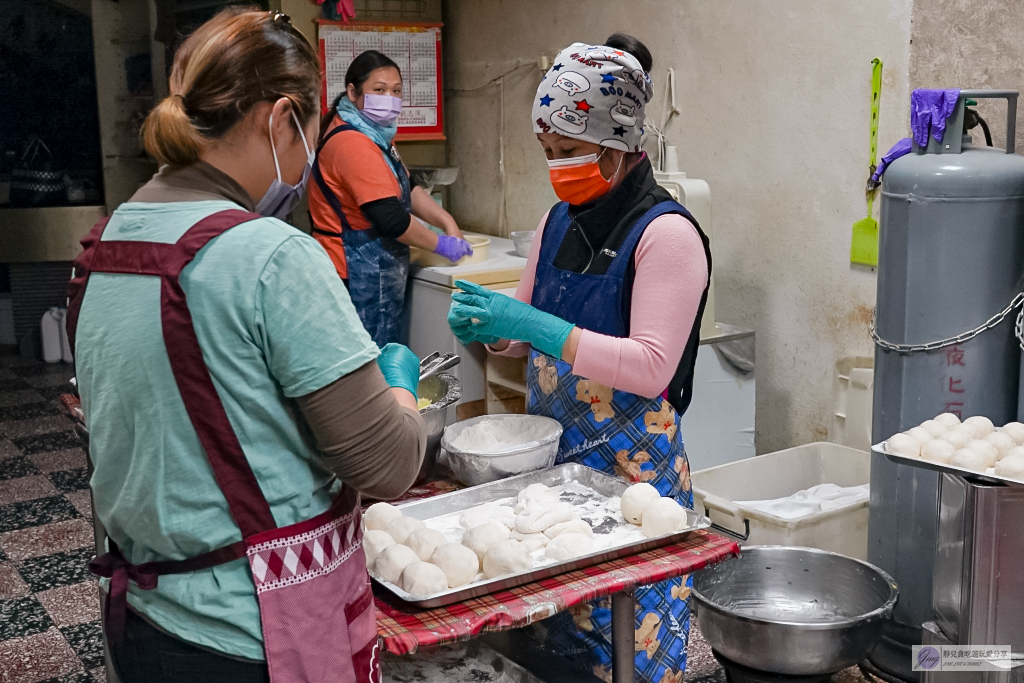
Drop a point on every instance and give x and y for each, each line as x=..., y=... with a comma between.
x=359, y=168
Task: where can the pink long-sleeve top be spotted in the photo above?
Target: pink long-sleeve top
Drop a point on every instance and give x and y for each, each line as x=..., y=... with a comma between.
x=671, y=273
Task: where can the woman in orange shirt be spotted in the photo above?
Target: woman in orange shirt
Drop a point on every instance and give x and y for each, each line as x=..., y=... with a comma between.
x=364, y=211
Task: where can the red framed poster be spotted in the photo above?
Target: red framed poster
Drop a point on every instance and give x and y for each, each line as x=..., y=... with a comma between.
x=415, y=47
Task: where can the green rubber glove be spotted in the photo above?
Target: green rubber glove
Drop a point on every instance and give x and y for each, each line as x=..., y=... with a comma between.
x=498, y=316
x=400, y=367
x=463, y=330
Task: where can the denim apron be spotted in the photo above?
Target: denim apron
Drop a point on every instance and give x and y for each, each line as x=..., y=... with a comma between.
x=378, y=267
x=616, y=432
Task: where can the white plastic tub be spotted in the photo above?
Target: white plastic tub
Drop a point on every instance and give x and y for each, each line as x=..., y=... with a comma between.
x=781, y=474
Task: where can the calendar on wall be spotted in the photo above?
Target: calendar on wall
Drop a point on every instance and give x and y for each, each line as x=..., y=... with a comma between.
x=416, y=48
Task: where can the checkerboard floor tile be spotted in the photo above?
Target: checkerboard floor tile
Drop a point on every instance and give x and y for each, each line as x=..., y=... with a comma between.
x=49, y=604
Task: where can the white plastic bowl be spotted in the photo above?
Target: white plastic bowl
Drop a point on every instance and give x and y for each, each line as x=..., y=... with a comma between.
x=523, y=240
x=477, y=467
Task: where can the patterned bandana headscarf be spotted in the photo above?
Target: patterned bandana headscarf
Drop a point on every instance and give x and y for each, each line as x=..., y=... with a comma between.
x=594, y=93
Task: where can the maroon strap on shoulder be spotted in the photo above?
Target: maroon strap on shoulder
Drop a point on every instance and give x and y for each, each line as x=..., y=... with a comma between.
x=231, y=469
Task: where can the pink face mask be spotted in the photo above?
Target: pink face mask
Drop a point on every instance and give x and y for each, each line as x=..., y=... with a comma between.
x=383, y=109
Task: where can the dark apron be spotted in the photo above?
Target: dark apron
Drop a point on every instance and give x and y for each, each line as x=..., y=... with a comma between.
x=378, y=267
x=316, y=608
x=616, y=432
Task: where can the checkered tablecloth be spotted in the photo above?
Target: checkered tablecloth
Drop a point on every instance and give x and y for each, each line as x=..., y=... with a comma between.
x=403, y=628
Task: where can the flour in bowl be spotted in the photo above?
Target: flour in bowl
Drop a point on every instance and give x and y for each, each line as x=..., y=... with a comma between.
x=500, y=435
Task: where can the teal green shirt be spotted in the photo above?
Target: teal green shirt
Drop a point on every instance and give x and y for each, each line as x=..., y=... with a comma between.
x=274, y=322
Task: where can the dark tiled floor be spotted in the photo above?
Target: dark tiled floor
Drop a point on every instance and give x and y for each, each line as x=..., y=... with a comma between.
x=49, y=607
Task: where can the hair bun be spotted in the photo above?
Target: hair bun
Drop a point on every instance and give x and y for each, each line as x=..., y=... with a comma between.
x=169, y=134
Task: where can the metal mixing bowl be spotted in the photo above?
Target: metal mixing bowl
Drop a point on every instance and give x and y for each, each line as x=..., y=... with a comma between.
x=478, y=467
x=796, y=611
x=444, y=390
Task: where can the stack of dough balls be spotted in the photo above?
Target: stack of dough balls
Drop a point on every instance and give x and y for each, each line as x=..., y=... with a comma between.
x=641, y=504
x=543, y=521
x=974, y=444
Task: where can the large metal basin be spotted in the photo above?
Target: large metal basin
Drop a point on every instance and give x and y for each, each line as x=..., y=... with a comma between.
x=797, y=611
x=444, y=390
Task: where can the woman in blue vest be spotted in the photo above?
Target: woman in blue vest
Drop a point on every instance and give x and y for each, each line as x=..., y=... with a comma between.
x=609, y=311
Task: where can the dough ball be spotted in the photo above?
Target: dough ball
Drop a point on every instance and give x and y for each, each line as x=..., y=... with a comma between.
x=1012, y=465
x=480, y=538
x=1019, y=450
x=374, y=541
x=982, y=424
x=971, y=429
x=938, y=451
x=1016, y=432
x=506, y=557
x=986, y=449
x=574, y=526
x=535, y=493
x=920, y=435
x=948, y=420
x=662, y=516
x=969, y=459
x=903, y=444
x=538, y=516
x=403, y=526
x=423, y=578
x=378, y=515
x=958, y=437
x=933, y=428
x=568, y=546
x=423, y=542
x=1003, y=443
x=635, y=499
x=531, y=541
x=392, y=561
x=489, y=512
x=459, y=563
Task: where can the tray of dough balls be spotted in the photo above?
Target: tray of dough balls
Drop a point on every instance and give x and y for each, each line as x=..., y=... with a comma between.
x=974, y=447
x=491, y=537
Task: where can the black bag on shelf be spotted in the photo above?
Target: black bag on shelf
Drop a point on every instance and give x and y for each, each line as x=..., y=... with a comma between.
x=34, y=180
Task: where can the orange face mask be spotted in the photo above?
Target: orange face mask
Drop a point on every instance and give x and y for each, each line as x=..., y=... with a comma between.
x=578, y=180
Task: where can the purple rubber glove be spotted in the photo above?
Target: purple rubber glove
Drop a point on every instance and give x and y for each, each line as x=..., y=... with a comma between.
x=453, y=248
x=929, y=110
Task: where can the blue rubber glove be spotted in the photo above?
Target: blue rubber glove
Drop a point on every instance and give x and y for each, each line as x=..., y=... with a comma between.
x=452, y=248
x=463, y=330
x=496, y=315
x=400, y=367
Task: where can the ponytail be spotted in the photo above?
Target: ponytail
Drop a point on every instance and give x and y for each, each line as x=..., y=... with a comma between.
x=169, y=136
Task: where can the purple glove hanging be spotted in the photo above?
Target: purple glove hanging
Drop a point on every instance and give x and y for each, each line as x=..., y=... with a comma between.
x=453, y=248
x=901, y=148
x=929, y=110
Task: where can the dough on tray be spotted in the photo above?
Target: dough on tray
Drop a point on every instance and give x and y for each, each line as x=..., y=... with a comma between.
x=1003, y=442
x=982, y=424
x=920, y=435
x=663, y=516
x=538, y=516
x=948, y=420
x=958, y=437
x=903, y=444
x=573, y=526
x=635, y=499
x=480, y=538
x=506, y=557
x=392, y=561
x=378, y=515
x=568, y=546
x=933, y=428
x=423, y=578
x=938, y=451
x=986, y=449
x=535, y=493
x=401, y=527
x=1012, y=466
x=1016, y=431
x=423, y=541
x=459, y=563
x=488, y=512
x=531, y=541
x=374, y=541
x=970, y=459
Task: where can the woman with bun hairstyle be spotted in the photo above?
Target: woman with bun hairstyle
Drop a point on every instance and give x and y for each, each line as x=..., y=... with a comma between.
x=608, y=310
x=235, y=404
x=364, y=210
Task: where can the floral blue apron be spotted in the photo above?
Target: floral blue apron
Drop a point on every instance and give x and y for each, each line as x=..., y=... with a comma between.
x=378, y=267
x=616, y=432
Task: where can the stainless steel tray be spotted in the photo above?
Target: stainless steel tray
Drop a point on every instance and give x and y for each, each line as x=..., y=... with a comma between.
x=457, y=501
x=939, y=467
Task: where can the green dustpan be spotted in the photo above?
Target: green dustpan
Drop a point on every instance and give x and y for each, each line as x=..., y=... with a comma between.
x=864, y=243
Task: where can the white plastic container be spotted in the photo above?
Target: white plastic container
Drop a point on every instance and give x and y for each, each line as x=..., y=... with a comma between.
x=65, y=345
x=50, y=331
x=781, y=474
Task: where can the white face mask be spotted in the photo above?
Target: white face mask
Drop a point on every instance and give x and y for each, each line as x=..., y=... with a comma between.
x=280, y=198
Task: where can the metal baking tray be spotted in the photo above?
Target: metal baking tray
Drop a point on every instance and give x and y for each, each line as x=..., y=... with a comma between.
x=939, y=467
x=457, y=501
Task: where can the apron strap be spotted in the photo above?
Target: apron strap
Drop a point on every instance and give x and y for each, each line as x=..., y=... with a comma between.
x=555, y=228
x=329, y=196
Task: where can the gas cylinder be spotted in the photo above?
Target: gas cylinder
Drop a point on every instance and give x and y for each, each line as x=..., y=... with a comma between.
x=951, y=249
